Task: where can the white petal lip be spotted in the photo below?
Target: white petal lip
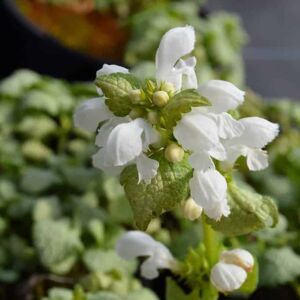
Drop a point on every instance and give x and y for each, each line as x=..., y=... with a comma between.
x=223, y=95
x=90, y=113
x=139, y=244
x=146, y=167
x=228, y=127
x=239, y=257
x=109, y=69
x=99, y=162
x=201, y=161
x=227, y=277
x=258, y=132
x=106, y=128
x=257, y=159
x=209, y=190
x=175, y=44
x=197, y=131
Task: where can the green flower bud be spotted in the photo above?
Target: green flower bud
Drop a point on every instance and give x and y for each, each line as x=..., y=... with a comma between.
x=160, y=98
x=191, y=210
x=153, y=117
x=174, y=153
x=135, y=96
x=136, y=113
x=168, y=87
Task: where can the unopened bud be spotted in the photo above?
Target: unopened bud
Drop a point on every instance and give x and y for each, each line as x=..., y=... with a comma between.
x=239, y=257
x=153, y=117
x=160, y=98
x=136, y=113
x=174, y=153
x=168, y=87
x=227, y=277
x=191, y=210
x=135, y=96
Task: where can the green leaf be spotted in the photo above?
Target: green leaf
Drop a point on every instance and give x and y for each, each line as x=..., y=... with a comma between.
x=59, y=294
x=115, y=88
x=118, y=206
x=46, y=208
x=250, y=285
x=37, y=126
x=103, y=296
x=279, y=266
x=35, y=180
x=18, y=82
x=167, y=189
x=174, y=292
x=143, y=294
x=181, y=103
x=57, y=245
x=106, y=261
x=249, y=212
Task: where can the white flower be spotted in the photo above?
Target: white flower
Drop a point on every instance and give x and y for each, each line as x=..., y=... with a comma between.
x=256, y=135
x=89, y=114
x=239, y=257
x=135, y=244
x=170, y=68
x=209, y=189
x=223, y=95
x=124, y=145
x=230, y=272
x=227, y=277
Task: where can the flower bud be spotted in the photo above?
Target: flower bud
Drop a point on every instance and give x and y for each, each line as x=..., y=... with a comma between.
x=135, y=96
x=227, y=277
x=191, y=210
x=168, y=87
x=174, y=153
x=153, y=117
x=136, y=113
x=239, y=257
x=160, y=98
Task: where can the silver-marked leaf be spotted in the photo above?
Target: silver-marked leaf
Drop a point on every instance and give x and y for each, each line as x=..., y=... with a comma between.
x=181, y=103
x=167, y=189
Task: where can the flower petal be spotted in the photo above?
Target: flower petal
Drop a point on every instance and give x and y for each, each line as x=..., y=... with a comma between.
x=239, y=257
x=197, y=131
x=209, y=190
x=257, y=159
x=228, y=127
x=106, y=128
x=227, y=277
x=89, y=114
x=175, y=44
x=109, y=69
x=146, y=167
x=99, y=162
x=258, y=132
x=134, y=244
x=187, y=69
x=201, y=161
x=223, y=95
x=124, y=143
x=137, y=243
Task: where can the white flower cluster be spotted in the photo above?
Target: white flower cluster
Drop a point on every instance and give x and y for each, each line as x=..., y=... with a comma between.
x=230, y=272
x=135, y=244
x=227, y=275
x=208, y=133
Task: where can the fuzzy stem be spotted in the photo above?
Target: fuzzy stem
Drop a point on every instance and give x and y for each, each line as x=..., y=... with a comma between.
x=211, y=243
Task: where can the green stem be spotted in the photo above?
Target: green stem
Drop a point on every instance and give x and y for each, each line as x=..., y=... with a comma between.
x=211, y=243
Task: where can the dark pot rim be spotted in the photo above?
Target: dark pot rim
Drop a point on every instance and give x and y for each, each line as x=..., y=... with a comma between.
x=11, y=7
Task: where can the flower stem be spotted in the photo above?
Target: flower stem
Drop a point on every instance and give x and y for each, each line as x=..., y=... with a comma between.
x=211, y=243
